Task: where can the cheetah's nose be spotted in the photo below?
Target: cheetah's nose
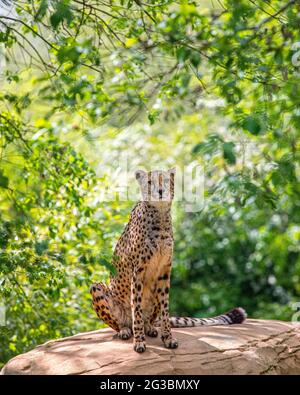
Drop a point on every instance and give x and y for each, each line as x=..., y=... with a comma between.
x=160, y=191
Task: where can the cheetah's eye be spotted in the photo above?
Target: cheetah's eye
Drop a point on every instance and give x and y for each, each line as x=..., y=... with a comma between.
x=149, y=182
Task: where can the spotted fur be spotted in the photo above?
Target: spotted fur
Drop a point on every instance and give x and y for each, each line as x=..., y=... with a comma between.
x=137, y=298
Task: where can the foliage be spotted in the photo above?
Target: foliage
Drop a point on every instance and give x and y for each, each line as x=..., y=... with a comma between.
x=85, y=84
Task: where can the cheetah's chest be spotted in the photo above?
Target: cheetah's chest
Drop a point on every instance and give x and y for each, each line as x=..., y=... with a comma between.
x=157, y=264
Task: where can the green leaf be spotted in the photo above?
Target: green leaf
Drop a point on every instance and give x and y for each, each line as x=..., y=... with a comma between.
x=63, y=12
x=210, y=146
x=153, y=115
x=228, y=152
x=66, y=54
x=252, y=124
x=183, y=53
x=3, y=180
x=41, y=10
x=41, y=246
x=109, y=266
x=195, y=58
x=197, y=148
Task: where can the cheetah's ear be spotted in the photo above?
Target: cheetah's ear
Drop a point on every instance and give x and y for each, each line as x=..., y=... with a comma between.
x=139, y=174
x=173, y=171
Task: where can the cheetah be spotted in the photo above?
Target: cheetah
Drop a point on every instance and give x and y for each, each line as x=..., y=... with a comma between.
x=136, y=301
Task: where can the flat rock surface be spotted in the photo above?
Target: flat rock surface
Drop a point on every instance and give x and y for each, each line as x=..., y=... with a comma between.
x=254, y=347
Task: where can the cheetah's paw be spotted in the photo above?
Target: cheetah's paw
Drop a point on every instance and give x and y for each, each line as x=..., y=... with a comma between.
x=139, y=346
x=171, y=343
x=152, y=332
x=125, y=333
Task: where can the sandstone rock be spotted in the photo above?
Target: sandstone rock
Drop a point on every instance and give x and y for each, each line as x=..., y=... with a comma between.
x=255, y=347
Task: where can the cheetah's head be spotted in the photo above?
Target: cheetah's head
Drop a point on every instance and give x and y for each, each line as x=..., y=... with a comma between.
x=156, y=186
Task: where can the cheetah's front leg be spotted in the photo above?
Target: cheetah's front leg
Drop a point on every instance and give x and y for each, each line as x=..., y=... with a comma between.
x=139, y=343
x=163, y=296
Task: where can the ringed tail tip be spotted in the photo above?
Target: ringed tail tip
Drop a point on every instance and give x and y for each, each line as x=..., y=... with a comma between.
x=237, y=315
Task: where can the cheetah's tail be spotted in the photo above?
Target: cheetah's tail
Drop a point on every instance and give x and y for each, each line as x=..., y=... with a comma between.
x=234, y=316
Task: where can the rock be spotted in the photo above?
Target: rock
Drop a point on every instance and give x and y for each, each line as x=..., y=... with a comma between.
x=255, y=347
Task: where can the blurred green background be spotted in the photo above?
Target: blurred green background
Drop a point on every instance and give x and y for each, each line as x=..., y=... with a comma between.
x=93, y=90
